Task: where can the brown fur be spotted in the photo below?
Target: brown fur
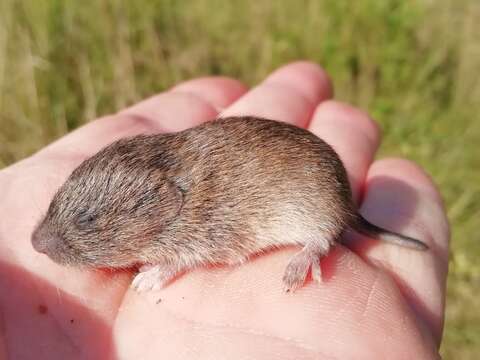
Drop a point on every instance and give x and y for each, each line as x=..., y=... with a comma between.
x=216, y=193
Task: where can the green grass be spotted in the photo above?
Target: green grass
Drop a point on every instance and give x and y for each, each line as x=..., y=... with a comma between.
x=415, y=65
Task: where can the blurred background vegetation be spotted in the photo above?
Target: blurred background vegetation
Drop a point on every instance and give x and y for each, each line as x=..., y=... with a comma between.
x=414, y=65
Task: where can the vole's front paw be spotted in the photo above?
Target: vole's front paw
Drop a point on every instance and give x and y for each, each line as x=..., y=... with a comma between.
x=153, y=278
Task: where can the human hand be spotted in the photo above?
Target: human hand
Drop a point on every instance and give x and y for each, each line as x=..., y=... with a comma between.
x=378, y=301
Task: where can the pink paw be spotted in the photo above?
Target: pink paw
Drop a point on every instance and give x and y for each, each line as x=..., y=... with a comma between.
x=152, y=278
x=297, y=270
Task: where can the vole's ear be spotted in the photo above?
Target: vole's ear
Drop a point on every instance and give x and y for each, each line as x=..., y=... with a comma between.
x=170, y=200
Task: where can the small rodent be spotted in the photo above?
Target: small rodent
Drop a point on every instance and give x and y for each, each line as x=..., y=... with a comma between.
x=213, y=194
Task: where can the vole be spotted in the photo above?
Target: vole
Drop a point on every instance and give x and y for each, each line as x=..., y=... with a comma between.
x=213, y=194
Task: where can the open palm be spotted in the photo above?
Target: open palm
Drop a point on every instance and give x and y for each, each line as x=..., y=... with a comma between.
x=378, y=301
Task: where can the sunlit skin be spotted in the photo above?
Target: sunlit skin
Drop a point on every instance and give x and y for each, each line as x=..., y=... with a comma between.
x=377, y=300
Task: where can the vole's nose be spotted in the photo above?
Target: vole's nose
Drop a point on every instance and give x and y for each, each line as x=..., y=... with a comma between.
x=42, y=242
x=39, y=242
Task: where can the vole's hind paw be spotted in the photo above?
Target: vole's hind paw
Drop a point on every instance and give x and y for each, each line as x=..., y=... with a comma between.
x=155, y=278
x=316, y=270
x=297, y=269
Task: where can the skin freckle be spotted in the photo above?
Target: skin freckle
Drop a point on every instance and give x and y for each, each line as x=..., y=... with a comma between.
x=42, y=309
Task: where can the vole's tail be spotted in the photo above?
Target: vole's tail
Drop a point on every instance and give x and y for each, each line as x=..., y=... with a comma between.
x=365, y=227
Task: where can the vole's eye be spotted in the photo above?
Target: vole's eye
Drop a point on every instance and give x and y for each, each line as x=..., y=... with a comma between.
x=85, y=218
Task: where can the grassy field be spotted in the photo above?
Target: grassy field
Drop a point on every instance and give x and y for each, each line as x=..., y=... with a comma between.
x=415, y=65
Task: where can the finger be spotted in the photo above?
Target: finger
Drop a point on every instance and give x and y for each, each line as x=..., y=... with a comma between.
x=401, y=197
x=186, y=105
x=289, y=94
x=220, y=93
x=352, y=134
